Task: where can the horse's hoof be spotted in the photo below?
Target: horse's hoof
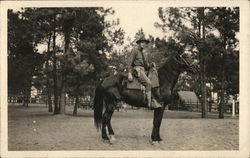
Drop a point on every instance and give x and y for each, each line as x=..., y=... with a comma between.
x=112, y=137
x=111, y=142
x=106, y=141
x=155, y=143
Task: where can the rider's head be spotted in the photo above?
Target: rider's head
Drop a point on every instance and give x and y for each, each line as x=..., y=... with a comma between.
x=142, y=42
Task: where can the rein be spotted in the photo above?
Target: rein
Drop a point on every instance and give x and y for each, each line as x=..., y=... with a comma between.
x=184, y=60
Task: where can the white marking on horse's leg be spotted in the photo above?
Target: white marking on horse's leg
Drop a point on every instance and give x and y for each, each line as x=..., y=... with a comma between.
x=107, y=131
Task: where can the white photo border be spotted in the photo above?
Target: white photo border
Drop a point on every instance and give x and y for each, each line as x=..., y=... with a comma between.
x=244, y=118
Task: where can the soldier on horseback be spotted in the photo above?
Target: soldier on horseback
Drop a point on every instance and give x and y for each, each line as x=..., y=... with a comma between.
x=138, y=63
x=115, y=88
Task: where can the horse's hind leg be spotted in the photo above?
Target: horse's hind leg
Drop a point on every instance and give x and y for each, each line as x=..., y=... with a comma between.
x=111, y=99
x=106, y=121
x=104, y=124
x=110, y=129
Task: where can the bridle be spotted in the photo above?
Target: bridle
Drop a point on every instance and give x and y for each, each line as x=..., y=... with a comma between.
x=183, y=60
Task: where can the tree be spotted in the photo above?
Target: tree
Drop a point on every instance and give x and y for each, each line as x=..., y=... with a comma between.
x=227, y=23
x=188, y=27
x=44, y=21
x=88, y=40
x=23, y=58
x=195, y=29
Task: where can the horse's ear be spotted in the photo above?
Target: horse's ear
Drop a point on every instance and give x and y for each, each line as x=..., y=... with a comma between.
x=175, y=57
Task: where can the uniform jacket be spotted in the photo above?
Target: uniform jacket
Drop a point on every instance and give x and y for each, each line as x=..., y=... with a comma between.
x=136, y=59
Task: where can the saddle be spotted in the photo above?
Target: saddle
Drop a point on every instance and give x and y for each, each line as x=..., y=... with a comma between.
x=136, y=84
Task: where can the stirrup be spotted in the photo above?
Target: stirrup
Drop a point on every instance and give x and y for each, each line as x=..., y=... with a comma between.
x=155, y=104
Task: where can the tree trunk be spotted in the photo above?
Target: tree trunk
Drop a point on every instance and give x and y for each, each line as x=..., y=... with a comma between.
x=50, y=102
x=76, y=105
x=62, y=99
x=26, y=95
x=59, y=101
x=23, y=98
x=56, y=108
x=202, y=64
x=48, y=81
x=204, y=92
x=23, y=101
x=63, y=91
x=222, y=97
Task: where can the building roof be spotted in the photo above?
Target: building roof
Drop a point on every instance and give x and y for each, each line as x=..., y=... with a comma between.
x=188, y=97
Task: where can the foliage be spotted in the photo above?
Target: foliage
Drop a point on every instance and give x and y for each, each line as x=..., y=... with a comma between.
x=23, y=59
x=183, y=25
x=84, y=40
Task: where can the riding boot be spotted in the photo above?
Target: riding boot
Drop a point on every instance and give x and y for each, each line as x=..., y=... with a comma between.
x=148, y=95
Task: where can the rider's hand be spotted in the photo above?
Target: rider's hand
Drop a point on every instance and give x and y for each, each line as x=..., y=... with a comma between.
x=130, y=77
x=153, y=65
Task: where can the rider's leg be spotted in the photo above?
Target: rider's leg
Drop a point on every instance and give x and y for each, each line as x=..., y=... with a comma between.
x=147, y=83
x=148, y=95
x=152, y=103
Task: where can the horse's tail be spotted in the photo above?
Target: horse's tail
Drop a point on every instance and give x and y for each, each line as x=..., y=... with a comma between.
x=98, y=106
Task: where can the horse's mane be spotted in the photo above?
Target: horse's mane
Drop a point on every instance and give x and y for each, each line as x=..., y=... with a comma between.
x=169, y=64
x=169, y=70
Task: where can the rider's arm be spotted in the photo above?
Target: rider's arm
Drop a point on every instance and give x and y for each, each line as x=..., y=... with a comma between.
x=147, y=66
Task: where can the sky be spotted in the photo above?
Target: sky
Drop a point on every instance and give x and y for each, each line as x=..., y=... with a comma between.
x=134, y=18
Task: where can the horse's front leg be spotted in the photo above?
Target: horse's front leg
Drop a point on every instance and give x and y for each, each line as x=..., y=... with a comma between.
x=158, y=114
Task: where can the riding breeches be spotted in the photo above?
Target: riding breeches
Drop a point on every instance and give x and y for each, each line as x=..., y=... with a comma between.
x=143, y=78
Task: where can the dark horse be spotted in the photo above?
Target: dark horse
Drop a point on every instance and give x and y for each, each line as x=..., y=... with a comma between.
x=112, y=90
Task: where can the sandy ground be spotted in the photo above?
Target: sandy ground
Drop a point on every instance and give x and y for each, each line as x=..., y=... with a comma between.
x=34, y=128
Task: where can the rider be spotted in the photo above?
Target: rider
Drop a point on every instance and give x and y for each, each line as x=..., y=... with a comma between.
x=138, y=61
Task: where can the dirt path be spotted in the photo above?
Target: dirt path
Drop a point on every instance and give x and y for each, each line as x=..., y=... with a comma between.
x=34, y=128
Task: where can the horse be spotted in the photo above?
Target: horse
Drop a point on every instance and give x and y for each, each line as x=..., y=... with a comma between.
x=112, y=90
